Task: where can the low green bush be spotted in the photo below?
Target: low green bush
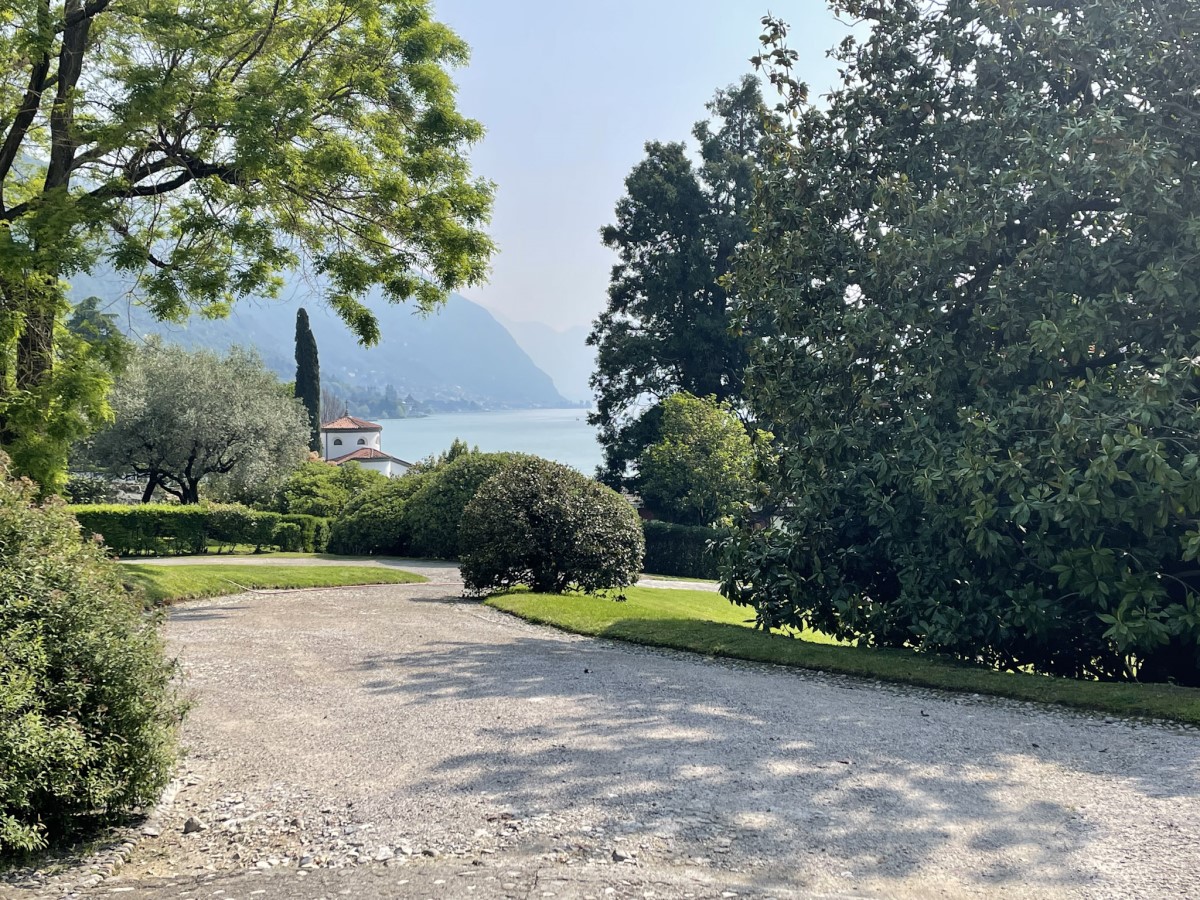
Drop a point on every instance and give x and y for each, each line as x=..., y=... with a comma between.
x=374, y=523
x=164, y=529
x=314, y=531
x=683, y=550
x=544, y=525
x=319, y=489
x=288, y=537
x=87, y=713
x=151, y=528
x=433, y=513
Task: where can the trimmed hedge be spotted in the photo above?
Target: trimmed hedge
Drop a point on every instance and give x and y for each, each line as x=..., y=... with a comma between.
x=162, y=529
x=681, y=550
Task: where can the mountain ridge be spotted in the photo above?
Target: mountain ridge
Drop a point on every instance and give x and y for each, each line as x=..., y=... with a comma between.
x=459, y=357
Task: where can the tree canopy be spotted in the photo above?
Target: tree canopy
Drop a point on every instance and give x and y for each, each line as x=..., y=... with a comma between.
x=701, y=468
x=667, y=324
x=203, y=147
x=182, y=417
x=978, y=268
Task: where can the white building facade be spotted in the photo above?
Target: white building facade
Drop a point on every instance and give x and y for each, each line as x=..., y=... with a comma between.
x=350, y=439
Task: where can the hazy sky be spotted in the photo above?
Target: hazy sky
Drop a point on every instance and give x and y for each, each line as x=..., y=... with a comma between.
x=569, y=94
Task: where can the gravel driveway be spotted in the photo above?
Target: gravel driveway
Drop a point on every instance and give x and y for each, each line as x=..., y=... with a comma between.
x=394, y=741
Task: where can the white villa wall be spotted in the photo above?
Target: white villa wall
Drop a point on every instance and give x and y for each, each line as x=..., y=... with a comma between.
x=350, y=441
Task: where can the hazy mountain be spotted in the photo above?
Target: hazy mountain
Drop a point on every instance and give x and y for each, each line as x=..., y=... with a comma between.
x=457, y=358
x=563, y=355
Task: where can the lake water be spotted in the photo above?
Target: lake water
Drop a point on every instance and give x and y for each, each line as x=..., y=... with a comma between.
x=559, y=434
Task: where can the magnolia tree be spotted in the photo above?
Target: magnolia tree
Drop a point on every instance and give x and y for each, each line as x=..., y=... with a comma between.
x=205, y=146
x=183, y=417
x=979, y=266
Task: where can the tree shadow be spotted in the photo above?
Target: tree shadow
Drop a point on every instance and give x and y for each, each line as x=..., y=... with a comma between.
x=791, y=766
x=185, y=613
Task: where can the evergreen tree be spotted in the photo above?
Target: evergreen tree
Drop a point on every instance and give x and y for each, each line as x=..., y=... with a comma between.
x=667, y=325
x=308, y=378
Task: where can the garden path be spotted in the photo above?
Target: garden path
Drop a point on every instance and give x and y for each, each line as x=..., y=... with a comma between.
x=398, y=741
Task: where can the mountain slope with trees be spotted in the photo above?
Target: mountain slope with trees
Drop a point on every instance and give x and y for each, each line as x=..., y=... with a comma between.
x=458, y=357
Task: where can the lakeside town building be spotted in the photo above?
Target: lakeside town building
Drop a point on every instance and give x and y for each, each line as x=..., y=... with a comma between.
x=351, y=439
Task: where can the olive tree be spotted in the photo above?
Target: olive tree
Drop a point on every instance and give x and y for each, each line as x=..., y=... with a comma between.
x=182, y=417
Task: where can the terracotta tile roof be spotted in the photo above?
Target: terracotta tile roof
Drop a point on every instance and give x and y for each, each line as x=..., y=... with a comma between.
x=365, y=453
x=351, y=423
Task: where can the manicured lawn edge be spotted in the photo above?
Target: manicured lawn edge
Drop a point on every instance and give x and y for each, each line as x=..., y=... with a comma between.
x=163, y=585
x=1157, y=701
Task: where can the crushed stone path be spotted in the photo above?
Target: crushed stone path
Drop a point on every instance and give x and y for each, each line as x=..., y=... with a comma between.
x=397, y=741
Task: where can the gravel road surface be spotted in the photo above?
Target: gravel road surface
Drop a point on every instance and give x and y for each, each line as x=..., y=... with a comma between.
x=396, y=741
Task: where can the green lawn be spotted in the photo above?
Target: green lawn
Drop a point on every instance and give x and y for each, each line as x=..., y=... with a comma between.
x=166, y=584
x=707, y=623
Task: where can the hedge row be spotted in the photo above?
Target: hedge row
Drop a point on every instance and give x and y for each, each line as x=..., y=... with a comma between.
x=164, y=529
x=680, y=550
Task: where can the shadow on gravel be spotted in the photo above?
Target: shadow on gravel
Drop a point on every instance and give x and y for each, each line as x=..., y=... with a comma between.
x=183, y=613
x=794, y=767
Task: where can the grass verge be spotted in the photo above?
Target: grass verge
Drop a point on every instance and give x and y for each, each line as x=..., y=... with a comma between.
x=166, y=584
x=696, y=621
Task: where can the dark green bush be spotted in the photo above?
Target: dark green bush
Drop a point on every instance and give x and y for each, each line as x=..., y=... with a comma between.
x=151, y=528
x=374, y=523
x=314, y=531
x=164, y=529
x=544, y=525
x=288, y=537
x=87, y=712
x=682, y=550
x=319, y=489
x=433, y=513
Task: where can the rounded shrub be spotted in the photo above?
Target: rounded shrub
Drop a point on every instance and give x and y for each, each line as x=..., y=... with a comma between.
x=434, y=512
x=374, y=522
x=88, y=713
x=542, y=524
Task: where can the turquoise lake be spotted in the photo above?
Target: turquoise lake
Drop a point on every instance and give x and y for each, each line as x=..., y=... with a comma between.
x=559, y=434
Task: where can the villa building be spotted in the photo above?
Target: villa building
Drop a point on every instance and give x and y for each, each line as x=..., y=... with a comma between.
x=350, y=439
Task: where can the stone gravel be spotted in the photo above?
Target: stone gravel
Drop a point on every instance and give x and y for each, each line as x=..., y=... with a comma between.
x=397, y=741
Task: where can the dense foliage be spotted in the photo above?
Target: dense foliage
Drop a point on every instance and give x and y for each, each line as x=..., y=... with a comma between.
x=87, y=713
x=163, y=529
x=667, y=324
x=374, y=522
x=203, y=148
x=544, y=525
x=688, y=551
x=979, y=269
x=433, y=513
x=308, y=378
x=185, y=416
x=701, y=467
x=319, y=489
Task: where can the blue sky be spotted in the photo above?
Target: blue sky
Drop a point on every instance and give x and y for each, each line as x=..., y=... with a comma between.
x=569, y=94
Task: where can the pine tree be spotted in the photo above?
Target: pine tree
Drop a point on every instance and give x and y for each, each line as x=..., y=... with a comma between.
x=308, y=377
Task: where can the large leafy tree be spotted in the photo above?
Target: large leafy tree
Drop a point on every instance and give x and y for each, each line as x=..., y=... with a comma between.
x=980, y=268
x=667, y=324
x=701, y=468
x=204, y=146
x=183, y=417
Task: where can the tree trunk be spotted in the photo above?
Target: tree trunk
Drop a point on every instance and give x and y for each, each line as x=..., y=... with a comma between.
x=149, y=492
x=191, y=491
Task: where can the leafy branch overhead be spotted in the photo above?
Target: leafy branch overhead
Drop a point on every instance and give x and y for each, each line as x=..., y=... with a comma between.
x=208, y=145
x=201, y=149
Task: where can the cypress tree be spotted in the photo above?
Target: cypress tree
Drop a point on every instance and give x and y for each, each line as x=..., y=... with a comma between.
x=308, y=377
